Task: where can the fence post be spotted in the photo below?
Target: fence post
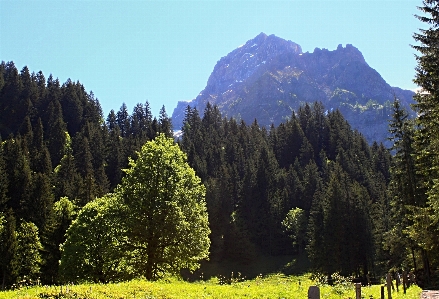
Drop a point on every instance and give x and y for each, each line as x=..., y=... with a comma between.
x=389, y=284
x=313, y=292
x=358, y=290
x=382, y=292
x=404, y=281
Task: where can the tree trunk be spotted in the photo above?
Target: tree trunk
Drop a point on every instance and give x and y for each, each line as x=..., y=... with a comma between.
x=4, y=279
x=426, y=263
x=414, y=260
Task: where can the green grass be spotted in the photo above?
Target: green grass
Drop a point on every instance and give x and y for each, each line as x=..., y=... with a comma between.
x=272, y=286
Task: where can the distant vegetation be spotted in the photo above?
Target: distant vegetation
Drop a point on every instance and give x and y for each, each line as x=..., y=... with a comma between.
x=310, y=187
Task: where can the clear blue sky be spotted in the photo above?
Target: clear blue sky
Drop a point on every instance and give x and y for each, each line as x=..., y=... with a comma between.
x=164, y=51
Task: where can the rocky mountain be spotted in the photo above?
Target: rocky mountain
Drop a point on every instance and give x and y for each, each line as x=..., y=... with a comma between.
x=269, y=77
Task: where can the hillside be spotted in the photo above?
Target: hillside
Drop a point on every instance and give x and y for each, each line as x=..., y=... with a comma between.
x=268, y=77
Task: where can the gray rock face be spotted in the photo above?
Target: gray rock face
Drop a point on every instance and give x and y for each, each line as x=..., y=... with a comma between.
x=269, y=77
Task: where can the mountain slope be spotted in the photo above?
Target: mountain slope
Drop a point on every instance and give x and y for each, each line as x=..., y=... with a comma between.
x=269, y=77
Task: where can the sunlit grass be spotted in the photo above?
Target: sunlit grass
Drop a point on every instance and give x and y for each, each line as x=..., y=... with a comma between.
x=273, y=286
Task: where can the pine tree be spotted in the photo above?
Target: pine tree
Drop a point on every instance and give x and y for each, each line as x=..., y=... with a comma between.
x=123, y=120
x=19, y=174
x=426, y=101
x=426, y=135
x=11, y=114
x=72, y=106
x=67, y=180
x=84, y=164
x=165, y=124
x=116, y=160
x=28, y=254
x=53, y=236
x=40, y=203
x=8, y=249
x=403, y=168
x=4, y=182
x=29, y=94
x=56, y=133
x=39, y=154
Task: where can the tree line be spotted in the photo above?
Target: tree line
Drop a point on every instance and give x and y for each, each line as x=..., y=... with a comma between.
x=311, y=184
x=57, y=154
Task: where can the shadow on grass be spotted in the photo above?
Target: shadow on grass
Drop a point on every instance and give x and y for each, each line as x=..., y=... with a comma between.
x=261, y=265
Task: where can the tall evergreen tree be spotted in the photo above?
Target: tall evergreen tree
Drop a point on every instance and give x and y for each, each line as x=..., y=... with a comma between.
x=4, y=182
x=19, y=174
x=72, y=106
x=8, y=249
x=53, y=236
x=426, y=135
x=11, y=112
x=89, y=188
x=56, y=133
x=123, y=120
x=67, y=179
x=165, y=124
x=28, y=255
x=39, y=154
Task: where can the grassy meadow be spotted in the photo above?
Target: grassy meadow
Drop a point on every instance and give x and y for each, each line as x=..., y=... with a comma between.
x=271, y=286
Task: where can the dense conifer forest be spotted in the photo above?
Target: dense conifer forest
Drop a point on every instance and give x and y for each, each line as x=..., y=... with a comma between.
x=310, y=186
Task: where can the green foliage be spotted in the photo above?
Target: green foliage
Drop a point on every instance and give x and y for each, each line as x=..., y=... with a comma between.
x=61, y=217
x=155, y=223
x=8, y=249
x=28, y=254
x=167, y=224
x=96, y=256
x=58, y=146
x=295, y=224
x=415, y=174
x=254, y=178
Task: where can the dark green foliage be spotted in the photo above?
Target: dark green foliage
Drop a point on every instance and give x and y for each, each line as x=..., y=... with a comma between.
x=19, y=176
x=60, y=219
x=416, y=149
x=57, y=146
x=56, y=133
x=123, y=121
x=28, y=254
x=164, y=124
x=313, y=161
x=59, y=152
x=4, y=181
x=8, y=249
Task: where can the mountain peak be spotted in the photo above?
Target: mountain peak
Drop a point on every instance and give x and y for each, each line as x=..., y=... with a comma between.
x=260, y=37
x=348, y=53
x=268, y=77
x=248, y=61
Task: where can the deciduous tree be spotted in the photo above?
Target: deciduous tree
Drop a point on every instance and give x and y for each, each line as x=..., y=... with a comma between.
x=167, y=224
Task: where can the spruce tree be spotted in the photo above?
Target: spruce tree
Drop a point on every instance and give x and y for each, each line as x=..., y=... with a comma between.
x=56, y=133
x=28, y=254
x=165, y=124
x=18, y=172
x=427, y=78
x=426, y=135
x=4, y=182
x=123, y=120
x=8, y=249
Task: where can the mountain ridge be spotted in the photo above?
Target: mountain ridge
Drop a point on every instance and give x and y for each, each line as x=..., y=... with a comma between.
x=268, y=77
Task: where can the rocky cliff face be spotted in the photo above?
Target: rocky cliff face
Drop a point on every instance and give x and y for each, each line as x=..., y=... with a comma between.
x=269, y=77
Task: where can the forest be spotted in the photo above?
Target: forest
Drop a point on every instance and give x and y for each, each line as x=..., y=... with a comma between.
x=311, y=185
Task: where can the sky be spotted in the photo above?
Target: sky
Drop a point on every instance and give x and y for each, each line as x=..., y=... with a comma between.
x=164, y=51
